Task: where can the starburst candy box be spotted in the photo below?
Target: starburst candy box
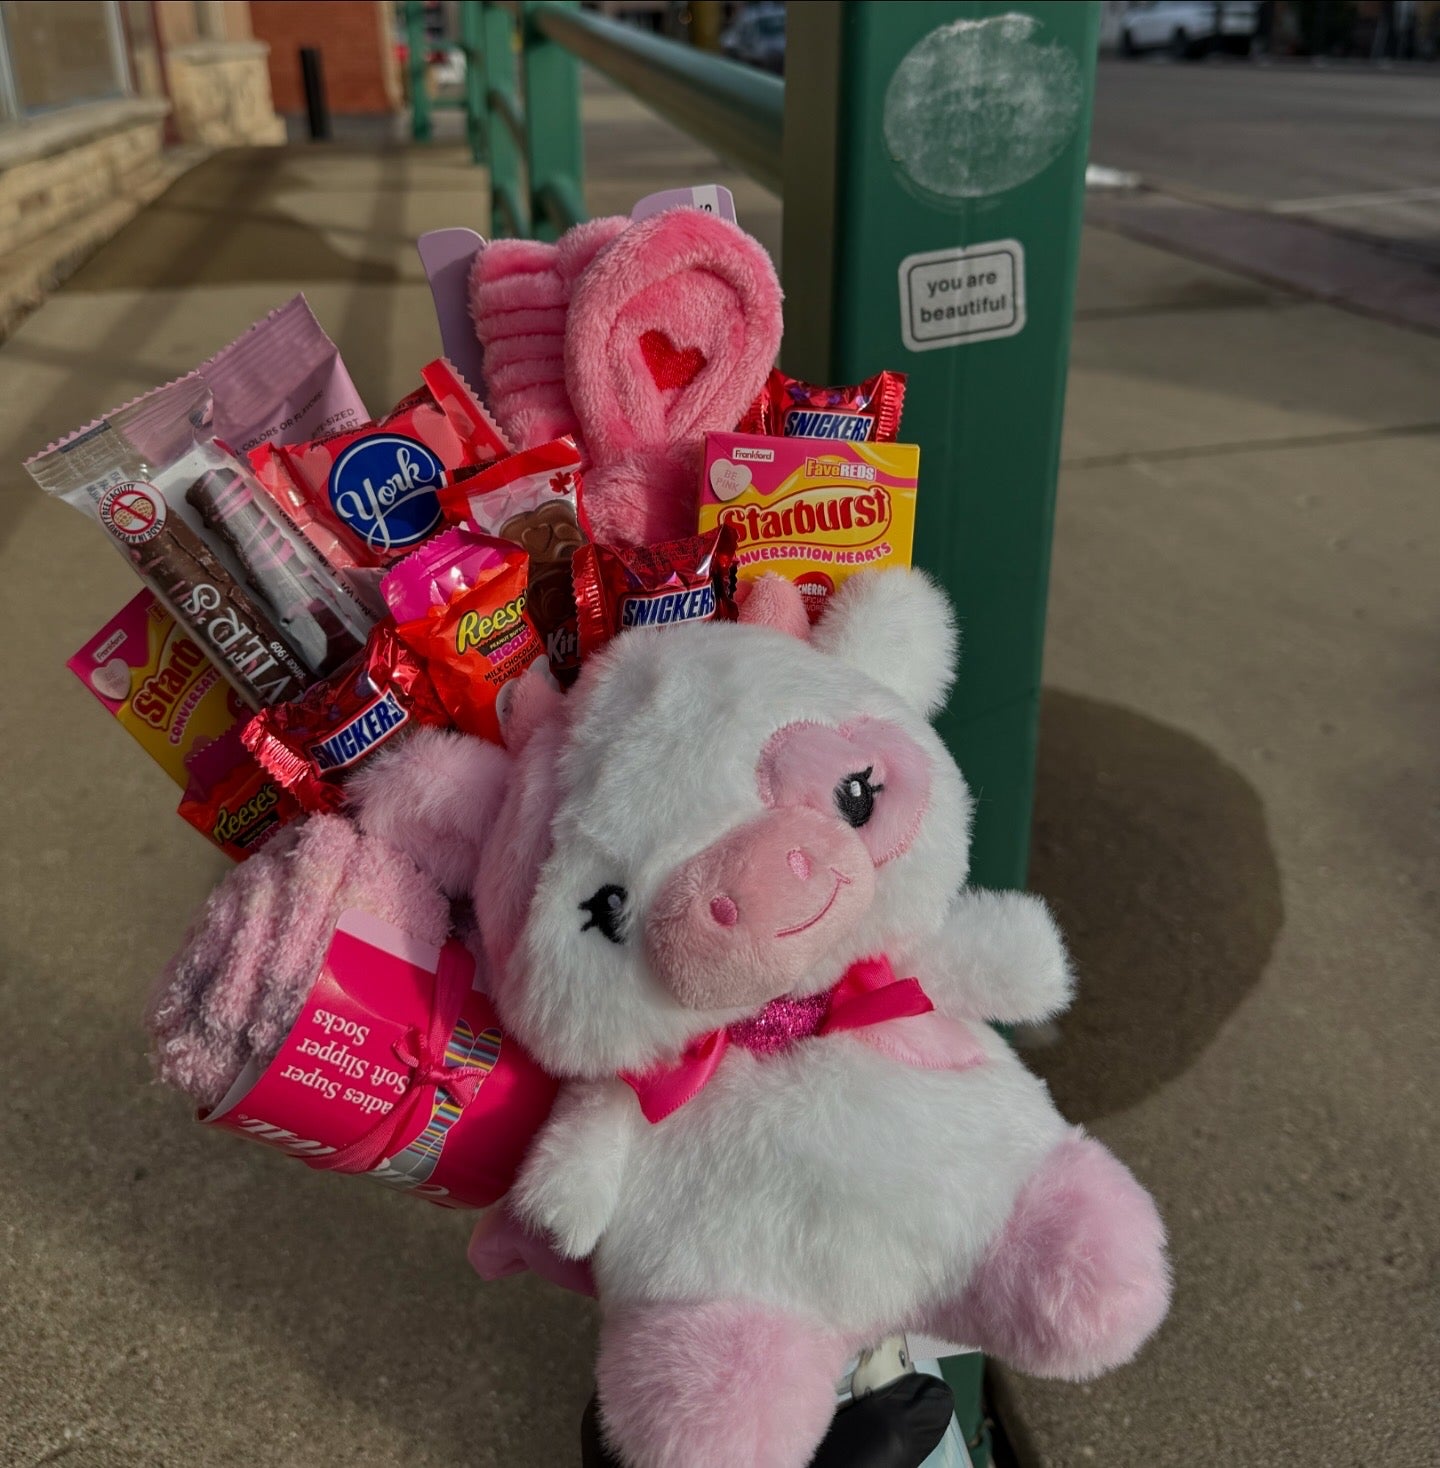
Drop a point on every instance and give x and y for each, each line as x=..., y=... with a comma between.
x=815, y=510
x=159, y=683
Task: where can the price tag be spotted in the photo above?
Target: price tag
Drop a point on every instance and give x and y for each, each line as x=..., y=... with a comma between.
x=709, y=198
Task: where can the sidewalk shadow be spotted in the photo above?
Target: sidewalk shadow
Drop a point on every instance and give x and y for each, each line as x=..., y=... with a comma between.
x=218, y=225
x=1156, y=859
x=220, y=1246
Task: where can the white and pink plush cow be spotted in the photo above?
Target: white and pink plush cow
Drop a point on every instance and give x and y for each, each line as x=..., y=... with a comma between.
x=721, y=893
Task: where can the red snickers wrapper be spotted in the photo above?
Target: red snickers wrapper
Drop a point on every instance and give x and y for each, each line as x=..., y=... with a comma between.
x=369, y=496
x=665, y=585
x=311, y=745
x=788, y=408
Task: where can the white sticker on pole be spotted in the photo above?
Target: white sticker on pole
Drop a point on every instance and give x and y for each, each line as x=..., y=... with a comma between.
x=950, y=298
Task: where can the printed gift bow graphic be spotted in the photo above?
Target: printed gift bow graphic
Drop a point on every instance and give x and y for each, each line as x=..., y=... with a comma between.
x=867, y=995
x=423, y=1054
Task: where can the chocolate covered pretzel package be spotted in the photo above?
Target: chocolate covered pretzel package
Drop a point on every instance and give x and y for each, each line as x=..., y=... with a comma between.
x=201, y=534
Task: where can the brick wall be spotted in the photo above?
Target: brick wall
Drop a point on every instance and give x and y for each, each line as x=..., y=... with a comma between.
x=356, y=46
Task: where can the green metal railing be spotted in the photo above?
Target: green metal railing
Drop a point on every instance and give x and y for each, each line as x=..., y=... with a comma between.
x=905, y=129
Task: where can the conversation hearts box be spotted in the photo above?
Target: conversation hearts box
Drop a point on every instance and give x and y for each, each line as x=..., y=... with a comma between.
x=813, y=510
x=158, y=683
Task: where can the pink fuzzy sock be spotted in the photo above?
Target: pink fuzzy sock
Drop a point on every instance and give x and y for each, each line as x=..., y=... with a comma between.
x=251, y=956
x=519, y=292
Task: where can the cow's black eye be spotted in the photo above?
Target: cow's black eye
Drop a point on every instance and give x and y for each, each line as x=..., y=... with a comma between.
x=606, y=911
x=855, y=797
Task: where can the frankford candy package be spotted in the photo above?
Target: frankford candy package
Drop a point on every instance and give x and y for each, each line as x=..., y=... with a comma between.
x=194, y=525
x=396, y=1068
x=280, y=379
x=531, y=498
x=367, y=497
x=283, y=380
x=160, y=685
x=459, y=604
x=813, y=511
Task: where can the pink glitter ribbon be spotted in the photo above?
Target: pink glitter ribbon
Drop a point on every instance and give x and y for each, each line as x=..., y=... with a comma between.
x=867, y=994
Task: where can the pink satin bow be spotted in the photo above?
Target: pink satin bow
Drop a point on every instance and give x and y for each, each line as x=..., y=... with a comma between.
x=868, y=993
x=423, y=1053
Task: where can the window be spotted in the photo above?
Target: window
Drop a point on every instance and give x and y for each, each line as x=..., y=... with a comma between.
x=59, y=53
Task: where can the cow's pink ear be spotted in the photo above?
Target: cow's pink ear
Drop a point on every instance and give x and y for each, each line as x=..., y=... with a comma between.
x=434, y=798
x=533, y=701
x=772, y=601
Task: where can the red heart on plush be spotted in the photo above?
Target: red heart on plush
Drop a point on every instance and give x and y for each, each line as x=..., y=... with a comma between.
x=668, y=364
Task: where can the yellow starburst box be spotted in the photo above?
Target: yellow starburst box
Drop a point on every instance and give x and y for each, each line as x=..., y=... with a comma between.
x=159, y=683
x=815, y=510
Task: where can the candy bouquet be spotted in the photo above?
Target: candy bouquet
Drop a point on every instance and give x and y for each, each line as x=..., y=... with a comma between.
x=318, y=582
x=562, y=899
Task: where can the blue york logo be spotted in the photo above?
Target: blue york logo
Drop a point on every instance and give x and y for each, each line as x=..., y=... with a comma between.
x=383, y=488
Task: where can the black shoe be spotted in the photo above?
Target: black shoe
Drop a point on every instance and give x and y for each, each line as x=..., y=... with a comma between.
x=898, y=1426
x=593, y=1452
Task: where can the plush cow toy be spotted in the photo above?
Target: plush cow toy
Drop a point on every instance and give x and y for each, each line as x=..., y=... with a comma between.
x=720, y=891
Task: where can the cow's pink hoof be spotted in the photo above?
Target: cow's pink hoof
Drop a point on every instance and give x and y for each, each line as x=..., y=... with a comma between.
x=715, y=1386
x=1078, y=1280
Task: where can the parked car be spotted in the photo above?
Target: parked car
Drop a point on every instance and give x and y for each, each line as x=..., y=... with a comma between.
x=757, y=37
x=1188, y=29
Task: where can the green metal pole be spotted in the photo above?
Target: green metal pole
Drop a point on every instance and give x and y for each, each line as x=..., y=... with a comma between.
x=507, y=214
x=934, y=180
x=552, y=129
x=472, y=46
x=420, y=128
x=732, y=108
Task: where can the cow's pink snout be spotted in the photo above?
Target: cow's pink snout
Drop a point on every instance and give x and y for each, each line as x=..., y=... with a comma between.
x=743, y=921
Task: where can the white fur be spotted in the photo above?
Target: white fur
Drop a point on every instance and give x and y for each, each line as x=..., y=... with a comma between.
x=832, y=1181
x=666, y=730
x=998, y=957
x=571, y=1181
x=897, y=627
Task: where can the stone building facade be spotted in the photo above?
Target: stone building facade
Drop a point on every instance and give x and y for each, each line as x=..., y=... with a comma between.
x=102, y=103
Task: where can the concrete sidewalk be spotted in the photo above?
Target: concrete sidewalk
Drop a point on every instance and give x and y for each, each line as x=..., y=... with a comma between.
x=1236, y=821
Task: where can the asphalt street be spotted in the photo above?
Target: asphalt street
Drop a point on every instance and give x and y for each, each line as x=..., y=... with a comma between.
x=1347, y=146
